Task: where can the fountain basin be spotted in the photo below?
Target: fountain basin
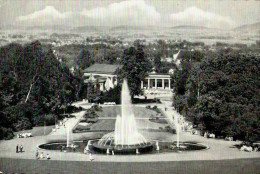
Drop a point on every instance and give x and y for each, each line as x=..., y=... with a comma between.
x=122, y=149
x=78, y=146
x=186, y=146
x=149, y=148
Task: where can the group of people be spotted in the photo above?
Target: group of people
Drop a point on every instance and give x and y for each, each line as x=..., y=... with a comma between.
x=19, y=148
x=41, y=156
x=62, y=123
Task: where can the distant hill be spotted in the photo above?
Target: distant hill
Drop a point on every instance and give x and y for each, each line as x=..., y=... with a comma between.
x=190, y=27
x=82, y=29
x=248, y=27
x=126, y=27
x=48, y=27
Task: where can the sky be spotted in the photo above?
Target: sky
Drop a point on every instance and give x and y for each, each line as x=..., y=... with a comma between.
x=207, y=13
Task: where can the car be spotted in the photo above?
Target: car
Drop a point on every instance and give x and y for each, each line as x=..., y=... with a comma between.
x=24, y=135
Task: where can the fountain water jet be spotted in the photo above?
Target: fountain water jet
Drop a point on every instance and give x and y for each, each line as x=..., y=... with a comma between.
x=126, y=137
x=68, y=136
x=176, y=124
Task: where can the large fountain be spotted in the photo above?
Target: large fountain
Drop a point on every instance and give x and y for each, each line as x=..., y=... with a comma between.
x=125, y=138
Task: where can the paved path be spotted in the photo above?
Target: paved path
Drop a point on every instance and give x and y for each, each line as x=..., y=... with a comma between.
x=219, y=149
x=69, y=124
x=137, y=118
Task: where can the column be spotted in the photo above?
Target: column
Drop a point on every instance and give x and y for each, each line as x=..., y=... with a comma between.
x=148, y=84
x=169, y=81
x=155, y=83
x=101, y=86
x=142, y=84
x=162, y=83
x=112, y=79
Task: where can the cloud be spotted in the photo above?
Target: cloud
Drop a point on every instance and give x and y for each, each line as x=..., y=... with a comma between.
x=198, y=17
x=124, y=13
x=48, y=15
x=128, y=12
x=47, y=12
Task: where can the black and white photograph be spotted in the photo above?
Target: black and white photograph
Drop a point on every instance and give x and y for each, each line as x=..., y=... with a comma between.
x=129, y=86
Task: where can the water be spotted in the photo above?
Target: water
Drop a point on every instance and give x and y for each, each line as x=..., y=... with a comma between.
x=126, y=131
x=176, y=124
x=68, y=136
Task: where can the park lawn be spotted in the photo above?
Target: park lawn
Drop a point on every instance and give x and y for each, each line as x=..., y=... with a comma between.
x=113, y=111
x=37, y=131
x=100, y=125
x=110, y=113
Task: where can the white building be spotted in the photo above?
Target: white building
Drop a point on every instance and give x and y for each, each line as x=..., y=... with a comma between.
x=104, y=74
x=157, y=81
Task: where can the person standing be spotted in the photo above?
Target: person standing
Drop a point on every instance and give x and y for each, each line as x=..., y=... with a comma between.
x=41, y=156
x=48, y=157
x=17, y=148
x=21, y=148
x=91, y=157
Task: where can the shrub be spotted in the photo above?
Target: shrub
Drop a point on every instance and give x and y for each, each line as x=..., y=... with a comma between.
x=97, y=108
x=169, y=129
x=155, y=107
x=23, y=124
x=72, y=109
x=6, y=133
x=148, y=107
x=45, y=120
x=113, y=95
x=90, y=113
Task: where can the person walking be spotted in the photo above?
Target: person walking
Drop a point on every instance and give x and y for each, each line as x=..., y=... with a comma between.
x=37, y=154
x=17, y=148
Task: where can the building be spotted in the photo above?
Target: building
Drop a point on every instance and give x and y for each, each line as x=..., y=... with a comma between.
x=156, y=84
x=103, y=74
x=157, y=81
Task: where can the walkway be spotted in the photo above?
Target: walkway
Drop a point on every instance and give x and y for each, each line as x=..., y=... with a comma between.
x=219, y=149
x=68, y=124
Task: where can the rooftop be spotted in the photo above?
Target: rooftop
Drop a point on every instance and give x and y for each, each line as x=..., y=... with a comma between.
x=102, y=68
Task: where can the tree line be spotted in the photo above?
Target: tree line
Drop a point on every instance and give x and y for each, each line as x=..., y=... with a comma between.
x=219, y=92
x=35, y=87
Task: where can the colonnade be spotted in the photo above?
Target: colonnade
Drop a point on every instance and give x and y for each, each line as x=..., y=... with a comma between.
x=155, y=86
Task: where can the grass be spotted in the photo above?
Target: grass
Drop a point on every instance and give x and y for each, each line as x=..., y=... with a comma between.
x=38, y=131
x=238, y=166
x=100, y=125
x=112, y=112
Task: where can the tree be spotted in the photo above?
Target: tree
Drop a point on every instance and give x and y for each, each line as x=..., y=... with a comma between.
x=84, y=59
x=33, y=83
x=157, y=62
x=220, y=93
x=135, y=68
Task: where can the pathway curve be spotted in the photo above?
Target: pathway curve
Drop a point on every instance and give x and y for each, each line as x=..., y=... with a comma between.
x=68, y=124
x=219, y=149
